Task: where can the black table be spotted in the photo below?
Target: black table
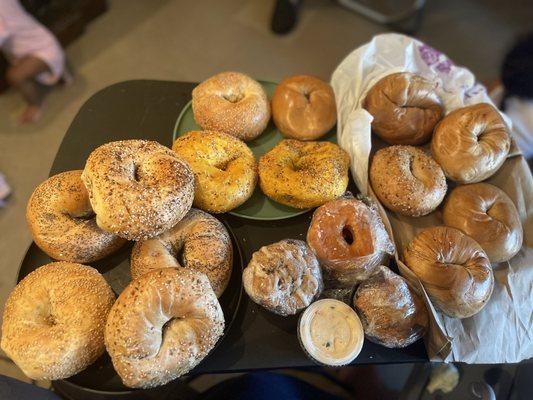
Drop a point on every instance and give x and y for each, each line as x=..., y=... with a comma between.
x=146, y=109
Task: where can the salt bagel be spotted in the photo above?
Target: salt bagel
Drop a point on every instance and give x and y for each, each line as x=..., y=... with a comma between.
x=471, y=143
x=303, y=107
x=304, y=174
x=137, y=188
x=63, y=224
x=407, y=180
x=54, y=320
x=486, y=214
x=199, y=241
x=162, y=325
x=231, y=102
x=453, y=268
x=405, y=108
x=224, y=168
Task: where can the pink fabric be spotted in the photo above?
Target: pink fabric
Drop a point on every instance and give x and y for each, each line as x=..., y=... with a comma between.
x=22, y=35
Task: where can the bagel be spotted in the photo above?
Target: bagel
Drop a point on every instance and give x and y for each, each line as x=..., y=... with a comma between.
x=233, y=103
x=224, y=168
x=199, y=241
x=407, y=180
x=137, y=188
x=283, y=277
x=488, y=215
x=453, y=268
x=53, y=325
x=392, y=314
x=471, y=143
x=350, y=241
x=63, y=223
x=405, y=108
x=304, y=174
x=162, y=325
x=303, y=107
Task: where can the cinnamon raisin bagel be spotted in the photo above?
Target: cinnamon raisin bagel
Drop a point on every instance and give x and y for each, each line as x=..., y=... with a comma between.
x=350, y=241
x=471, y=143
x=407, y=180
x=54, y=320
x=137, y=188
x=303, y=107
x=63, y=224
x=405, y=108
x=486, y=214
x=454, y=269
x=304, y=174
x=283, y=277
x=224, y=168
x=199, y=241
x=162, y=325
x=233, y=103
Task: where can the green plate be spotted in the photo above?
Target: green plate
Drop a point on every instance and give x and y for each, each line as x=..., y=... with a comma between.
x=258, y=206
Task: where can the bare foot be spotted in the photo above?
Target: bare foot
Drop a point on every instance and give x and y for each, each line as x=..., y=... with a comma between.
x=31, y=114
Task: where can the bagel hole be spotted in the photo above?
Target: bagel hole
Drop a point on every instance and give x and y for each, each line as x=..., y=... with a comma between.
x=136, y=173
x=224, y=165
x=233, y=97
x=347, y=235
x=84, y=216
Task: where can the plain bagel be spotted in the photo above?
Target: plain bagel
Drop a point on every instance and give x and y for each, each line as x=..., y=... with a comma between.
x=199, y=241
x=162, y=325
x=63, y=224
x=54, y=320
x=231, y=102
x=137, y=188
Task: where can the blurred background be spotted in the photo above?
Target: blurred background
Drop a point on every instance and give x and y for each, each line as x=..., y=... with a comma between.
x=109, y=41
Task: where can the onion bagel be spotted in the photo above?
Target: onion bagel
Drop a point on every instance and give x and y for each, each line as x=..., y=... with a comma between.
x=63, y=224
x=137, y=188
x=162, y=325
x=224, y=167
x=405, y=108
x=54, y=320
x=471, y=143
x=453, y=268
x=199, y=241
x=486, y=214
x=303, y=107
x=304, y=174
x=407, y=180
x=231, y=102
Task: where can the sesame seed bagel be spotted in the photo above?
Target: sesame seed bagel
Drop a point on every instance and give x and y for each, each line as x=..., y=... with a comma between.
x=199, y=241
x=224, y=168
x=54, y=320
x=407, y=180
x=304, y=174
x=63, y=224
x=137, y=188
x=162, y=325
x=231, y=102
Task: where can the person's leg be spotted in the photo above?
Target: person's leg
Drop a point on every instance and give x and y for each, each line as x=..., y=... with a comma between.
x=21, y=76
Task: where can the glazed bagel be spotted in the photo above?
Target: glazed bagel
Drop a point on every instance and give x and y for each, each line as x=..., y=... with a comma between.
x=486, y=214
x=162, y=325
x=350, y=241
x=471, y=143
x=304, y=174
x=303, y=107
x=137, y=188
x=283, y=277
x=231, y=102
x=63, y=223
x=405, y=108
x=199, y=241
x=54, y=320
x=224, y=168
x=392, y=314
x=407, y=180
x=453, y=268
